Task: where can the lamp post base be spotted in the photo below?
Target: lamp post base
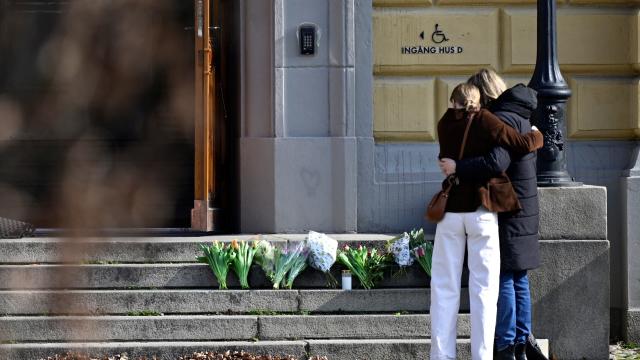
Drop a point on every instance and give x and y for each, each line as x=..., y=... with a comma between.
x=557, y=179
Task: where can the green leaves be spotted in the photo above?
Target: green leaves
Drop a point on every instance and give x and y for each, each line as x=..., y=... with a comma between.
x=242, y=260
x=290, y=260
x=298, y=265
x=367, y=265
x=423, y=254
x=219, y=257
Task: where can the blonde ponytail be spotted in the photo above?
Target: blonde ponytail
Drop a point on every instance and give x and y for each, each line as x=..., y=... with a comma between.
x=466, y=95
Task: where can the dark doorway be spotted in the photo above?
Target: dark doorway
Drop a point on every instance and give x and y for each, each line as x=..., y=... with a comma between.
x=96, y=113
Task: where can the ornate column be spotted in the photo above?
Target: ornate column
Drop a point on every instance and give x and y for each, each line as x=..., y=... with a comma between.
x=553, y=94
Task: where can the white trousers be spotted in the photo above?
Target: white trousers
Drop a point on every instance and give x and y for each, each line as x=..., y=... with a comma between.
x=479, y=232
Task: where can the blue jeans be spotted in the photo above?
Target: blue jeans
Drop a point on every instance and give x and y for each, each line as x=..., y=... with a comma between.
x=513, y=323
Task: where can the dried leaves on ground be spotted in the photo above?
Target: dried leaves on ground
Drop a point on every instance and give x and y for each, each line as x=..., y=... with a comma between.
x=233, y=355
x=622, y=351
x=229, y=355
x=80, y=356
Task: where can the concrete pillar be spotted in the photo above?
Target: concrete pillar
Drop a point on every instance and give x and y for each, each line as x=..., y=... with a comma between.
x=297, y=147
x=570, y=292
x=631, y=243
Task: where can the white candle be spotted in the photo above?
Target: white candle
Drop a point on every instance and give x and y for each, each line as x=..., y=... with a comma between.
x=346, y=280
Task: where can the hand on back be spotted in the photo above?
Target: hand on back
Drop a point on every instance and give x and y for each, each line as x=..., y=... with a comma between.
x=448, y=166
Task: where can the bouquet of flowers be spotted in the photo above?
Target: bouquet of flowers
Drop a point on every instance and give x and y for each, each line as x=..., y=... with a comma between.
x=367, y=265
x=277, y=263
x=412, y=246
x=416, y=238
x=219, y=257
x=422, y=249
x=423, y=254
x=242, y=260
x=264, y=256
x=399, y=247
x=298, y=264
x=322, y=254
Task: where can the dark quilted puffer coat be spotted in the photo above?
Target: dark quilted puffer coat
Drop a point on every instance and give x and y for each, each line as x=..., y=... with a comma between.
x=519, y=247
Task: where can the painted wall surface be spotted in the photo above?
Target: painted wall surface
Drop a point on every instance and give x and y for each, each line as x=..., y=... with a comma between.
x=297, y=144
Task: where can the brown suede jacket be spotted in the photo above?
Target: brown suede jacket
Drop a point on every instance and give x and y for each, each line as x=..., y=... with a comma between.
x=486, y=132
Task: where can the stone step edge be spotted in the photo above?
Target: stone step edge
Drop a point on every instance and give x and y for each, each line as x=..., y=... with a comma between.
x=160, y=251
x=203, y=239
x=208, y=301
x=220, y=327
x=185, y=275
x=141, y=250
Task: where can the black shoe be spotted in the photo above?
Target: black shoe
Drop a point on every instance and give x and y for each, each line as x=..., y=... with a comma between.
x=520, y=351
x=505, y=354
x=533, y=350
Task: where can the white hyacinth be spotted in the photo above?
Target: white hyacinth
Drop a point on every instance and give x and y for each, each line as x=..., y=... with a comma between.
x=322, y=251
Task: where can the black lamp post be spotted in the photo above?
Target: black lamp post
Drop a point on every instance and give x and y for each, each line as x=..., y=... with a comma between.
x=553, y=94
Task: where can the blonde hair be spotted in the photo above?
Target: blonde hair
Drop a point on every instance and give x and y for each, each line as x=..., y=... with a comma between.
x=466, y=95
x=490, y=84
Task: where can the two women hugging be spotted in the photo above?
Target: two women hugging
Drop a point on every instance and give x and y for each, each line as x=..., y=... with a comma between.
x=488, y=146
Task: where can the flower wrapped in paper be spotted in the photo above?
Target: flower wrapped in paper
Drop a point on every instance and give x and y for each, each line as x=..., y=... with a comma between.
x=401, y=251
x=265, y=257
x=322, y=254
x=423, y=254
x=410, y=247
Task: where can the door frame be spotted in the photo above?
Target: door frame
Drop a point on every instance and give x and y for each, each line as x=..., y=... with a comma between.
x=204, y=215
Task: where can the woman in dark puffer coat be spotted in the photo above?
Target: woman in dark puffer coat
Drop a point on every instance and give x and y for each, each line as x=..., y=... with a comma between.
x=519, y=248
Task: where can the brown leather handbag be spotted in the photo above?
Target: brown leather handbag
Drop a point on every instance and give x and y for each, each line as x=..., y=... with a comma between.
x=498, y=195
x=437, y=206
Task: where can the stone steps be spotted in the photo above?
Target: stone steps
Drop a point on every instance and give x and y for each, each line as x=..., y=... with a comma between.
x=370, y=349
x=218, y=327
x=206, y=301
x=60, y=295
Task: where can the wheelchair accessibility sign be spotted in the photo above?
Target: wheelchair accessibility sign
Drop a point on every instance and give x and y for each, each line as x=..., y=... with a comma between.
x=439, y=38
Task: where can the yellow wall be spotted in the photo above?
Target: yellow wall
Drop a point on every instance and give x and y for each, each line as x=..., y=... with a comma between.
x=598, y=49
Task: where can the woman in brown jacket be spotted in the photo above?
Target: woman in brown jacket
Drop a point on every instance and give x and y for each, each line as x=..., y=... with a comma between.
x=470, y=221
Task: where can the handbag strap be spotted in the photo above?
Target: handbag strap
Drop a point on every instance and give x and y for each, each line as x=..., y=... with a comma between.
x=451, y=179
x=466, y=134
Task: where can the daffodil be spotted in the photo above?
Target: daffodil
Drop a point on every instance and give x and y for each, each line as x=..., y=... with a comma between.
x=219, y=258
x=242, y=261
